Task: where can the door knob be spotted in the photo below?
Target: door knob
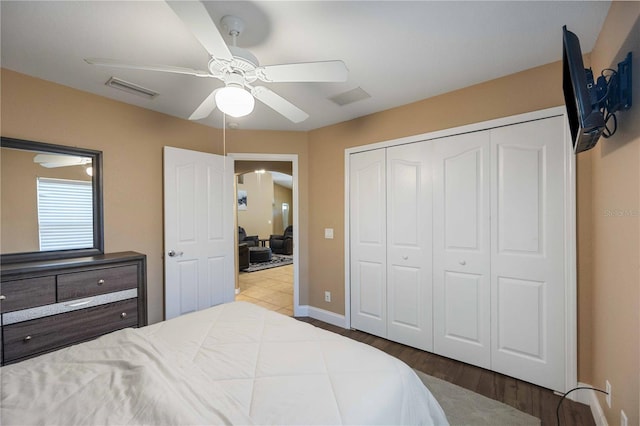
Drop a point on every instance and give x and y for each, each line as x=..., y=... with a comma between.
x=405, y=257
x=173, y=253
x=463, y=262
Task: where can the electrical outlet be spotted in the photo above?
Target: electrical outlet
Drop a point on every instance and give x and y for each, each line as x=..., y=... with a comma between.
x=607, y=388
x=327, y=296
x=623, y=419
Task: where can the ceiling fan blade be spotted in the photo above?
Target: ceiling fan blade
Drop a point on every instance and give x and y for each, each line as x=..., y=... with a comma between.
x=279, y=104
x=206, y=107
x=54, y=160
x=327, y=71
x=146, y=67
x=199, y=22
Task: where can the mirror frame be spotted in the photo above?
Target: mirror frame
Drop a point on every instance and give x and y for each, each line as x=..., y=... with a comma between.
x=98, y=220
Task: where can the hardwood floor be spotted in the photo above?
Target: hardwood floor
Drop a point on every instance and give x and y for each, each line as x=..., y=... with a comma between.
x=273, y=289
x=531, y=399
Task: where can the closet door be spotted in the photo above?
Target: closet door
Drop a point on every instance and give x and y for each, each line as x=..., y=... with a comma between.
x=528, y=246
x=461, y=248
x=368, y=242
x=409, y=287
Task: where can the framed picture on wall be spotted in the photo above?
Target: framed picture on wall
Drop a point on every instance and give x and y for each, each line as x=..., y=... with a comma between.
x=242, y=199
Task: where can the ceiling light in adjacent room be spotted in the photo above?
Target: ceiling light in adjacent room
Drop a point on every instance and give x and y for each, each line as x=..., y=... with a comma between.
x=233, y=100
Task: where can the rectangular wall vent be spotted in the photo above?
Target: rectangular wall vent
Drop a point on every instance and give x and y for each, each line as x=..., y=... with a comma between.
x=116, y=83
x=350, y=97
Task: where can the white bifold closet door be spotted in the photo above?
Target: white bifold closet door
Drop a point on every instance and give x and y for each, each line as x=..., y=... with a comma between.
x=409, y=256
x=462, y=247
x=499, y=243
x=368, y=241
x=390, y=208
x=528, y=251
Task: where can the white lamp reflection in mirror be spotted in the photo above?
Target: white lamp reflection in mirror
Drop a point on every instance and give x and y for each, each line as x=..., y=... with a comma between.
x=285, y=215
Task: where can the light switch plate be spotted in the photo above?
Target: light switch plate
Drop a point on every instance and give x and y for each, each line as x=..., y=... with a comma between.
x=328, y=233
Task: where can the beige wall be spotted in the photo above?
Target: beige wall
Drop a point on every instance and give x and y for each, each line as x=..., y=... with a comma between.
x=131, y=139
x=615, y=231
x=258, y=218
x=281, y=195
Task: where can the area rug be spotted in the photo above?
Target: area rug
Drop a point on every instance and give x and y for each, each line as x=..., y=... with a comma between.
x=276, y=260
x=465, y=407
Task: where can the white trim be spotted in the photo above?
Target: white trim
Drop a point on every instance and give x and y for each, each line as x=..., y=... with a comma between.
x=293, y=158
x=347, y=239
x=570, y=253
x=590, y=398
x=475, y=127
x=323, y=315
x=571, y=363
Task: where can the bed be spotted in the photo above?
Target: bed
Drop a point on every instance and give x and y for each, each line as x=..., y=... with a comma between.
x=235, y=363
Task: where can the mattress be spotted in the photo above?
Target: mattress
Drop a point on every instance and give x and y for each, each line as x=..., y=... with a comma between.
x=235, y=363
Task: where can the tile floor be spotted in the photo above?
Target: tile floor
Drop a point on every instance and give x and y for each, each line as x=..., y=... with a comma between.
x=271, y=288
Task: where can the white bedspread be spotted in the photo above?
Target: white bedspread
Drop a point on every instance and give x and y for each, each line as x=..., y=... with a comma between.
x=232, y=364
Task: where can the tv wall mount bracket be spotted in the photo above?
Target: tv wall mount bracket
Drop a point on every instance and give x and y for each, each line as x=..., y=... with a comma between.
x=611, y=92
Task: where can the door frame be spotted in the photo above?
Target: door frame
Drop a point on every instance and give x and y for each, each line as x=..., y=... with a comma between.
x=571, y=324
x=293, y=158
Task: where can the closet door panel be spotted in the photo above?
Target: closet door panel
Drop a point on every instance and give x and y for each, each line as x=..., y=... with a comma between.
x=461, y=248
x=368, y=238
x=528, y=243
x=409, y=288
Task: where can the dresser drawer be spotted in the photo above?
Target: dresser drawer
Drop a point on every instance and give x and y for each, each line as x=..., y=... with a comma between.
x=29, y=338
x=97, y=281
x=28, y=293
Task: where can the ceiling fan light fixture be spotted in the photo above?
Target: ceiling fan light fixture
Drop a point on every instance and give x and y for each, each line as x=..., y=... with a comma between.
x=235, y=101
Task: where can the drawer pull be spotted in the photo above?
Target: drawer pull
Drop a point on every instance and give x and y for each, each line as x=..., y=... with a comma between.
x=76, y=304
x=100, y=281
x=123, y=315
x=27, y=339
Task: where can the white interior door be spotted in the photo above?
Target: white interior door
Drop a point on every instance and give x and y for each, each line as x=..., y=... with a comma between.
x=528, y=245
x=409, y=288
x=368, y=241
x=199, y=230
x=461, y=248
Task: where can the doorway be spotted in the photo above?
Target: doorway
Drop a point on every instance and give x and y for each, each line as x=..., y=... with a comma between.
x=278, y=277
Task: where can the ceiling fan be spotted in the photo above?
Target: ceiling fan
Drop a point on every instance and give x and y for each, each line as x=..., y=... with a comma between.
x=237, y=68
x=51, y=161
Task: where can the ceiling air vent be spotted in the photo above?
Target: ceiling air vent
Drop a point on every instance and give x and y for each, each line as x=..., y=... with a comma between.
x=116, y=83
x=351, y=96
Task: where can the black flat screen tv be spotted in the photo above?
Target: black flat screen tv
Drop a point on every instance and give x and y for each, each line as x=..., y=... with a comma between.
x=586, y=121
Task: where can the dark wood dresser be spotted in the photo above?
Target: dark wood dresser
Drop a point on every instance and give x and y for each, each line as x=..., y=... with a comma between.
x=47, y=305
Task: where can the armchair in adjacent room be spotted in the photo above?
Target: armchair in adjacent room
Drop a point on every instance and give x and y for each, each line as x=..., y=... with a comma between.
x=282, y=244
x=243, y=256
x=250, y=240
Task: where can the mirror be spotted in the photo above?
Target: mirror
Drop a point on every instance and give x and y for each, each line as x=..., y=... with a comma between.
x=51, y=201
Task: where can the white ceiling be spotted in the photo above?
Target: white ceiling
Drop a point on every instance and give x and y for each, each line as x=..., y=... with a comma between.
x=398, y=52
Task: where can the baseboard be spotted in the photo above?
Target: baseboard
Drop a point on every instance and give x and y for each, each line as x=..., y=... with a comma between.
x=301, y=311
x=321, y=315
x=590, y=398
